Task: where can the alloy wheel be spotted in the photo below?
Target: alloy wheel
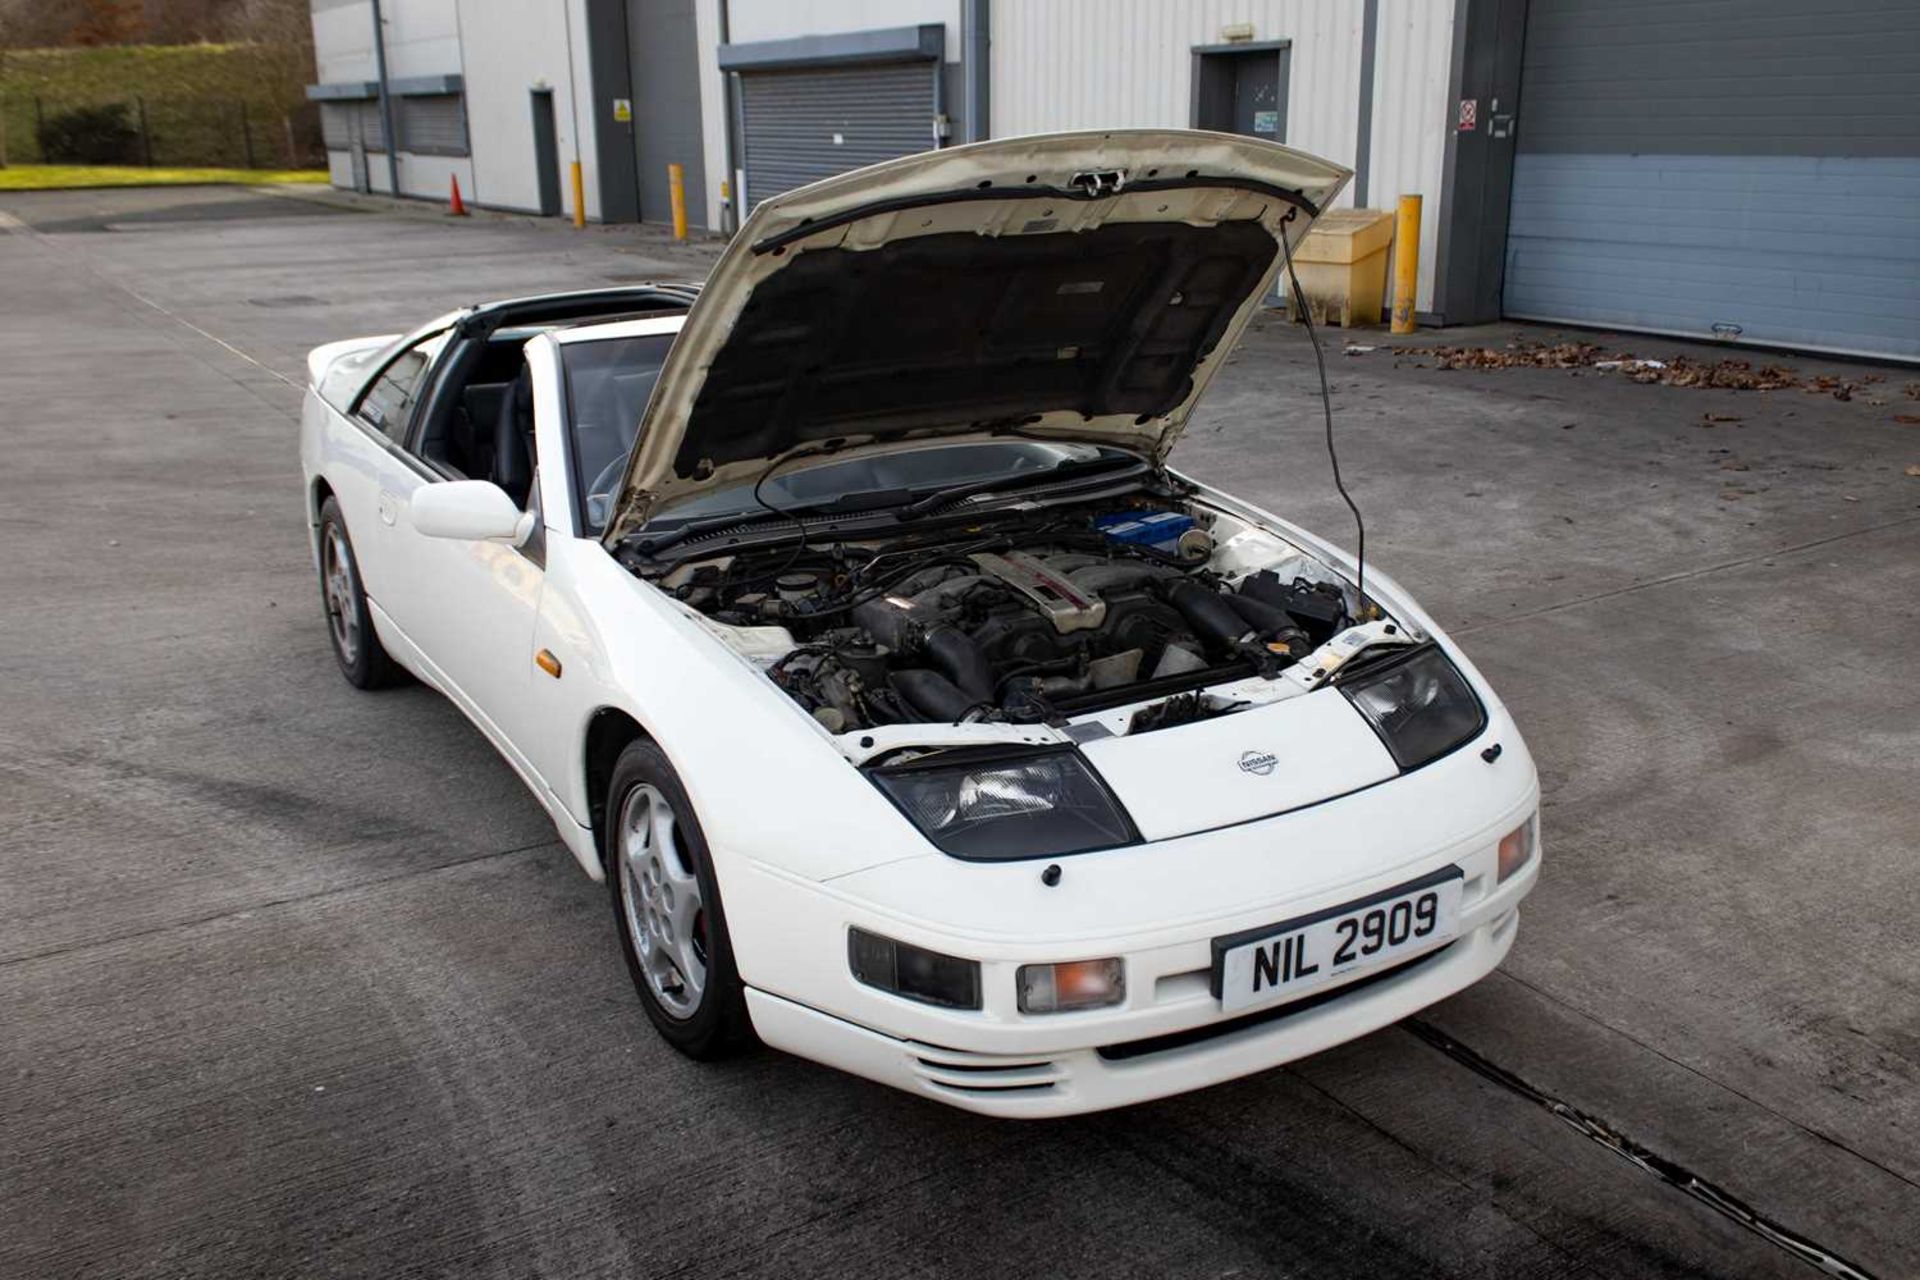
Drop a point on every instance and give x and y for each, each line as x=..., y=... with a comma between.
x=660, y=895
x=336, y=581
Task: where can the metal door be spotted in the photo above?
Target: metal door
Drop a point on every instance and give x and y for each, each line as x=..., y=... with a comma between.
x=1754, y=180
x=1256, y=96
x=803, y=125
x=664, y=53
x=546, y=152
x=1242, y=91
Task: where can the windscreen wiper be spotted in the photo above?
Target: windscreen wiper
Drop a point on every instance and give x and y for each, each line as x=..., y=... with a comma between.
x=851, y=504
x=961, y=492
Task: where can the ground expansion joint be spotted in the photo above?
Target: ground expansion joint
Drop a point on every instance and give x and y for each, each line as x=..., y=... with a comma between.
x=1671, y=1172
x=1682, y=575
x=269, y=904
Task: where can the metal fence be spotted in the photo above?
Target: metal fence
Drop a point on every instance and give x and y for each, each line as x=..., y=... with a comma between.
x=154, y=131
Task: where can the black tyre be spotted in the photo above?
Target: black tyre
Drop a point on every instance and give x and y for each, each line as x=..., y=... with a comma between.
x=666, y=906
x=363, y=661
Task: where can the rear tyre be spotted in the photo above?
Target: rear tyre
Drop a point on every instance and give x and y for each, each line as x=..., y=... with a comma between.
x=363, y=661
x=666, y=906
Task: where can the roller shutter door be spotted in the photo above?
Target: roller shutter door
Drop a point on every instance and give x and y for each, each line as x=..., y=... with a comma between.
x=802, y=125
x=1746, y=169
x=433, y=124
x=343, y=124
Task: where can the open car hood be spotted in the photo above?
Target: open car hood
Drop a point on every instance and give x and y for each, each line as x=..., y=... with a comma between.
x=1081, y=286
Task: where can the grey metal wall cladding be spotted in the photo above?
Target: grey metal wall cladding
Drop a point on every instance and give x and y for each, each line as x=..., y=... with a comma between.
x=1722, y=77
x=1696, y=164
x=804, y=125
x=434, y=124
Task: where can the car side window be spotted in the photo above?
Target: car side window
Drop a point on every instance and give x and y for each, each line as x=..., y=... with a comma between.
x=388, y=404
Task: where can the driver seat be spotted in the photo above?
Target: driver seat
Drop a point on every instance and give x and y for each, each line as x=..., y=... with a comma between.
x=513, y=440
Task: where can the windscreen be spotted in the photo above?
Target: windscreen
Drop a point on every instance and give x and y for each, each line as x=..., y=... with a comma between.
x=608, y=383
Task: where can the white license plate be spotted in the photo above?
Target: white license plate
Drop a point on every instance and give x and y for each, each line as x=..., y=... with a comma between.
x=1281, y=962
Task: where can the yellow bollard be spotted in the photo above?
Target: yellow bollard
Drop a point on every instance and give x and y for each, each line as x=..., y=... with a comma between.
x=580, y=197
x=677, y=192
x=1406, y=263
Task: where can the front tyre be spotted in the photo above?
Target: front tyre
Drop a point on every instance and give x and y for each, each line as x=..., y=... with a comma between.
x=363, y=661
x=666, y=906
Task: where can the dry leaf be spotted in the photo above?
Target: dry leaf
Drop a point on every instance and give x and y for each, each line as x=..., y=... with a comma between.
x=1911, y=419
x=1914, y=469
x=1674, y=371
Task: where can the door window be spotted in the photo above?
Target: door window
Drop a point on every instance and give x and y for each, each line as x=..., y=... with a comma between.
x=387, y=406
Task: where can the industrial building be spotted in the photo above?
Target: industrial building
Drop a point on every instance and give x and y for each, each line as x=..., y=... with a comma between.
x=1740, y=169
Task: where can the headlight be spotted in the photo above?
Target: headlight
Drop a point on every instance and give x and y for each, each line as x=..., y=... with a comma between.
x=913, y=972
x=1000, y=807
x=1421, y=706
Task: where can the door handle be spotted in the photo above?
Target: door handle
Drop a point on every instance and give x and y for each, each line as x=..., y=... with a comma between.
x=389, y=507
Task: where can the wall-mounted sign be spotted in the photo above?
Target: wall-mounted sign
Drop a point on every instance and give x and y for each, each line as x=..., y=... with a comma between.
x=623, y=110
x=1469, y=115
x=1266, y=122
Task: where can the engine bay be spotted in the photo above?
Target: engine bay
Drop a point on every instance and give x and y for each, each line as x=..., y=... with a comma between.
x=1031, y=616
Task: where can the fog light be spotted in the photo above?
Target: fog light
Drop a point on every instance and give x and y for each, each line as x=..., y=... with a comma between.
x=1077, y=984
x=1516, y=848
x=913, y=972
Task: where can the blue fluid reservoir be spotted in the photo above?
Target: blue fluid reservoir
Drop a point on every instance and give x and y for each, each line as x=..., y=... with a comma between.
x=1160, y=530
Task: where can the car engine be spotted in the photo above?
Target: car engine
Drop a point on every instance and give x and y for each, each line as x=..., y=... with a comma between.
x=1027, y=621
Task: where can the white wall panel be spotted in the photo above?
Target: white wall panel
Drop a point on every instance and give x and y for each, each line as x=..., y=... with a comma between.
x=1413, y=52
x=713, y=116
x=782, y=19
x=342, y=40
x=510, y=50
x=1092, y=64
x=501, y=51
x=423, y=37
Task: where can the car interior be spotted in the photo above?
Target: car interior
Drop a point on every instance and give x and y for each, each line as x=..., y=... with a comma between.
x=478, y=420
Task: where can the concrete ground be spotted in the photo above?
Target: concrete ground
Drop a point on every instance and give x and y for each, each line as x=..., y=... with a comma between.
x=296, y=980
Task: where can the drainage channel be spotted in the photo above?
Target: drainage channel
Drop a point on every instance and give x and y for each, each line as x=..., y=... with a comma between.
x=1715, y=1197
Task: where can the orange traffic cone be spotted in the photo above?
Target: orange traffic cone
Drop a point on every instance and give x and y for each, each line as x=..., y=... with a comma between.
x=456, y=207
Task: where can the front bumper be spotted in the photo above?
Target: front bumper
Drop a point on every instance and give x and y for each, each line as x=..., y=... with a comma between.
x=1098, y=1076
x=1158, y=906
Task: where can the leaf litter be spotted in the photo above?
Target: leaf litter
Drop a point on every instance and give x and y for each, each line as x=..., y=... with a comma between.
x=1730, y=374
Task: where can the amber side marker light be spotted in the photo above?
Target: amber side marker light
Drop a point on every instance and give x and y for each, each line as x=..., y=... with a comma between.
x=547, y=663
x=1516, y=848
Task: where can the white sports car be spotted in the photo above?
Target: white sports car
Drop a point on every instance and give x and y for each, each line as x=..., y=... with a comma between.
x=846, y=618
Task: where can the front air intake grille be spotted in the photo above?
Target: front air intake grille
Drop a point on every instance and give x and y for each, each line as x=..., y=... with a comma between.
x=1213, y=1030
x=957, y=1071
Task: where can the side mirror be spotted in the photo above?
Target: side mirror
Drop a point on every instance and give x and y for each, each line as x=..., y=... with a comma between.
x=469, y=510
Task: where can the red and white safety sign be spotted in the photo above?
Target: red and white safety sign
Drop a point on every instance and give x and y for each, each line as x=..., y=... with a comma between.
x=1469, y=114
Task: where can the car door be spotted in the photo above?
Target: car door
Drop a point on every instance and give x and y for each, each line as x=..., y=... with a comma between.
x=467, y=608
x=370, y=456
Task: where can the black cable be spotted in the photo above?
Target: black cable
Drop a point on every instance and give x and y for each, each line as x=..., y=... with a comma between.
x=1326, y=401
x=799, y=521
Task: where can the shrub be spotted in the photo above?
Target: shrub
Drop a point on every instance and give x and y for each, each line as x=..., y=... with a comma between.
x=89, y=135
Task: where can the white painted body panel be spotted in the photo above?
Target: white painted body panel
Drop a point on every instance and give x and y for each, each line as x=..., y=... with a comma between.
x=805, y=847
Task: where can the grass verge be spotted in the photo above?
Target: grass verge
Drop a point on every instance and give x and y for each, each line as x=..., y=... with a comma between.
x=50, y=177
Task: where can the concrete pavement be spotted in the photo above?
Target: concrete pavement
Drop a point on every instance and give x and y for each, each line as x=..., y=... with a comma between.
x=296, y=979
